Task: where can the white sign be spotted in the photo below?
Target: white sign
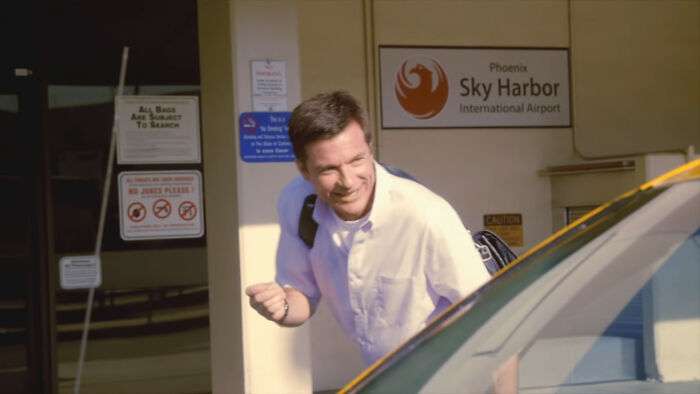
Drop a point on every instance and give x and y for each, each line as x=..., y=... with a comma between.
x=269, y=85
x=160, y=205
x=158, y=129
x=80, y=272
x=433, y=87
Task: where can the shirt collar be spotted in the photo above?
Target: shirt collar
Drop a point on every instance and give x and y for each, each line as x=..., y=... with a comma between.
x=381, y=193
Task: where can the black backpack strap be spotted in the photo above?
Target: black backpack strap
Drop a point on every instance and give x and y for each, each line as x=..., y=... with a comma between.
x=307, y=224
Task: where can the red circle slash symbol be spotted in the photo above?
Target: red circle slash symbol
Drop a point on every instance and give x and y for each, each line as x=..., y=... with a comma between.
x=249, y=124
x=136, y=212
x=162, y=208
x=187, y=210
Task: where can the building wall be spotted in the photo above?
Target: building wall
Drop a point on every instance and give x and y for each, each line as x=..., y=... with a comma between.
x=635, y=76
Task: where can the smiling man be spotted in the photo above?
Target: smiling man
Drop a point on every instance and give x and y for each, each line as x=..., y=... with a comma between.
x=389, y=254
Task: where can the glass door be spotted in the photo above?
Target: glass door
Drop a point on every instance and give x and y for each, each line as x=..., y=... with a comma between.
x=24, y=350
x=25, y=346
x=15, y=254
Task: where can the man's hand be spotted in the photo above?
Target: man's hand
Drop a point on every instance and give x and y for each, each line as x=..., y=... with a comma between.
x=269, y=299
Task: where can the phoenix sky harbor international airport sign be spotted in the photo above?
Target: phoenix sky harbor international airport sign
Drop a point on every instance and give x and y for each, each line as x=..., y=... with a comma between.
x=429, y=87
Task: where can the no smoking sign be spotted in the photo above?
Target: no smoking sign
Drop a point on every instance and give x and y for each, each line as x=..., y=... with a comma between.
x=160, y=205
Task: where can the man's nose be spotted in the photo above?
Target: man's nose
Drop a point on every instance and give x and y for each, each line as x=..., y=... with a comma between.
x=347, y=178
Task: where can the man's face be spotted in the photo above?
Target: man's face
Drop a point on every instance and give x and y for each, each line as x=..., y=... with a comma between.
x=341, y=169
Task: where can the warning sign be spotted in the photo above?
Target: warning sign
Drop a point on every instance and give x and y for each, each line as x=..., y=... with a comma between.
x=136, y=212
x=80, y=272
x=264, y=137
x=158, y=129
x=188, y=210
x=269, y=85
x=161, y=208
x=508, y=226
x=147, y=201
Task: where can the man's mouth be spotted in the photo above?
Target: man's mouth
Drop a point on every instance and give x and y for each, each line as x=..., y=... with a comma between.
x=347, y=196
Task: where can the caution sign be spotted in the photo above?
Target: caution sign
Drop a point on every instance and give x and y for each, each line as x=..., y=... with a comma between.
x=508, y=226
x=160, y=205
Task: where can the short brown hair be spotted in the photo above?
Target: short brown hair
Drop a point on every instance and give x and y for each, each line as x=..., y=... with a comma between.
x=322, y=117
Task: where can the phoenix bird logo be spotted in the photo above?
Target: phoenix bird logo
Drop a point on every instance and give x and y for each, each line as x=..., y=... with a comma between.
x=421, y=87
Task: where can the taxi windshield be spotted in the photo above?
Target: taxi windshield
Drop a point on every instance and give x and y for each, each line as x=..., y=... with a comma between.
x=612, y=302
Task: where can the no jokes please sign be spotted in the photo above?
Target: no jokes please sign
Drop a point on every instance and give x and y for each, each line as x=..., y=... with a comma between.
x=160, y=205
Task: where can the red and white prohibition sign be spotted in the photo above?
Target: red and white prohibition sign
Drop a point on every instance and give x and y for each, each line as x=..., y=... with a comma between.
x=136, y=212
x=162, y=208
x=187, y=210
x=160, y=205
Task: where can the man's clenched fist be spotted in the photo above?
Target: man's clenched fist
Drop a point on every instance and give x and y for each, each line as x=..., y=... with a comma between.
x=269, y=299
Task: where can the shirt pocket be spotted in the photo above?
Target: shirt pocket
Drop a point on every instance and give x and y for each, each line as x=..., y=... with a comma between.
x=395, y=300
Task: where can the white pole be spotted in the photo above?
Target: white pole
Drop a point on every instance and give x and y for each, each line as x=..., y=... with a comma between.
x=100, y=226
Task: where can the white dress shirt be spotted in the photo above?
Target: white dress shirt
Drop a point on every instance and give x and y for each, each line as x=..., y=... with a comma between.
x=386, y=275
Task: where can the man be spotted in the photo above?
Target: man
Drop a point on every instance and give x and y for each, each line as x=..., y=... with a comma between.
x=389, y=254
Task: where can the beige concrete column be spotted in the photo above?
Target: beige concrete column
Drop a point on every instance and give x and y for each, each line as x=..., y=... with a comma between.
x=277, y=360
x=249, y=353
x=220, y=198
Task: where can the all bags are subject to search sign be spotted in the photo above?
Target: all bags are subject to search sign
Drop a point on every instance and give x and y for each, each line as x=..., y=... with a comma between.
x=428, y=87
x=158, y=129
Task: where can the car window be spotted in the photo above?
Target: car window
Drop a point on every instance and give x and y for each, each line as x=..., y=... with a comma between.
x=623, y=310
x=611, y=306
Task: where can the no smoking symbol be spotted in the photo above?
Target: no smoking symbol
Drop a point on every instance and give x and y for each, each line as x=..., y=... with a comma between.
x=187, y=210
x=249, y=124
x=136, y=212
x=162, y=208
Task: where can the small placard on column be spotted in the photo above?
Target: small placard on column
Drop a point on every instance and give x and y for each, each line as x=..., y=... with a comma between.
x=80, y=272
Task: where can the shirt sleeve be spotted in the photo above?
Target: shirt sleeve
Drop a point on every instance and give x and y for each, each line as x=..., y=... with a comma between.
x=293, y=264
x=454, y=267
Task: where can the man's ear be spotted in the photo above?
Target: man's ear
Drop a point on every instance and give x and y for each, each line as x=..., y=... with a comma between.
x=302, y=169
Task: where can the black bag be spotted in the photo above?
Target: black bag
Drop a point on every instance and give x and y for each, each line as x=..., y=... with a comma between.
x=494, y=252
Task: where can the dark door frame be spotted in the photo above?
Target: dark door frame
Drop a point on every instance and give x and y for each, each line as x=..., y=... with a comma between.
x=20, y=75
